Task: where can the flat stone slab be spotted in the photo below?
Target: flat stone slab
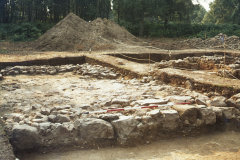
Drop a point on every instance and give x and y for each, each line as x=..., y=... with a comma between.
x=146, y=102
x=180, y=99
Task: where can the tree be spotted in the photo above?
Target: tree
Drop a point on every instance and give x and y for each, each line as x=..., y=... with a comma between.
x=198, y=14
x=118, y=8
x=176, y=10
x=223, y=11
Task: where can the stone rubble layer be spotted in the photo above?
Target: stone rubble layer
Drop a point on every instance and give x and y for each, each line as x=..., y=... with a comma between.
x=47, y=112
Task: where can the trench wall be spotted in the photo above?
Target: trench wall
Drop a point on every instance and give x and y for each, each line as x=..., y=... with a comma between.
x=161, y=56
x=53, y=62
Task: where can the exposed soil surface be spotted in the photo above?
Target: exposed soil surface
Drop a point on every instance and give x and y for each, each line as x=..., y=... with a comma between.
x=73, y=33
x=75, y=37
x=6, y=150
x=220, y=145
x=207, y=76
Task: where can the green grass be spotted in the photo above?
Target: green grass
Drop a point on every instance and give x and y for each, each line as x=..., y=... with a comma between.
x=4, y=51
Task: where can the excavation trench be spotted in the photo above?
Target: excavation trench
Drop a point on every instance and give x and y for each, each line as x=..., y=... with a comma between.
x=43, y=100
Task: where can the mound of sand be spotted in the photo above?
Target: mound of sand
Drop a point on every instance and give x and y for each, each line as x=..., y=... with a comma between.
x=73, y=33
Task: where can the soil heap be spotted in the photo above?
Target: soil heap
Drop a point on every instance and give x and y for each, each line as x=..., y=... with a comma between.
x=73, y=33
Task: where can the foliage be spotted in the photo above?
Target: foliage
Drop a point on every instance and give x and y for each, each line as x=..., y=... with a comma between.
x=223, y=11
x=24, y=31
x=153, y=29
x=198, y=14
x=12, y=11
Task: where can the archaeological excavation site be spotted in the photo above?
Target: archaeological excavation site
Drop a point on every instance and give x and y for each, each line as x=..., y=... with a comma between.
x=94, y=85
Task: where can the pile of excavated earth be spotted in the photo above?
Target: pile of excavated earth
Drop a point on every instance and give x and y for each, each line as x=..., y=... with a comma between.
x=231, y=42
x=48, y=112
x=74, y=34
x=216, y=62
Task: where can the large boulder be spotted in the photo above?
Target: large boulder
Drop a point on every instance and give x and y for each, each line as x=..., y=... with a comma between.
x=186, y=112
x=24, y=137
x=170, y=119
x=228, y=112
x=124, y=126
x=231, y=103
x=62, y=118
x=92, y=128
x=216, y=103
x=236, y=97
x=207, y=115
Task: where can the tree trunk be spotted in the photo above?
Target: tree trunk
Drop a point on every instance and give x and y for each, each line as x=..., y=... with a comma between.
x=32, y=11
x=12, y=9
x=77, y=9
x=22, y=13
x=141, y=26
x=68, y=6
x=51, y=16
x=29, y=13
x=36, y=15
x=166, y=21
x=118, y=11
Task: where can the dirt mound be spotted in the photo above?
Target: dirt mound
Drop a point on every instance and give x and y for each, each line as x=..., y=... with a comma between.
x=231, y=42
x=73, y=33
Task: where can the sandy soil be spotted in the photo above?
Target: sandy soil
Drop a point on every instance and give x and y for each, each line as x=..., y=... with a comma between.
x=219, y=145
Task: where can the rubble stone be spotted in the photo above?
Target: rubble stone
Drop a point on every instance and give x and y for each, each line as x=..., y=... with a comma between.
x=92, y=128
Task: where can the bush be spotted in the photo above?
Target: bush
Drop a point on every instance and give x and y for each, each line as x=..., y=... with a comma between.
x=24, y=31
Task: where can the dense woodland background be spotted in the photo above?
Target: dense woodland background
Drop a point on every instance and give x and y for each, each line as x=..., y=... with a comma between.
x=28, y=19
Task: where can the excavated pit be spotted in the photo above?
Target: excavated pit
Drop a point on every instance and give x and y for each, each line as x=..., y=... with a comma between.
x=43, y=100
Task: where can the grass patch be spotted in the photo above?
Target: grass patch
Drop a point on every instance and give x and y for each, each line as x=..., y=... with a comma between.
x=4, y=51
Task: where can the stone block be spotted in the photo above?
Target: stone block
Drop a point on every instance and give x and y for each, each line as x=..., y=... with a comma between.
x=170, y=118
x=186, y=112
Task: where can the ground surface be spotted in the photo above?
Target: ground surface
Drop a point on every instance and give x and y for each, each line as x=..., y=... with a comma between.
x=203, y=76
x=220, y=145
x=6, y=151
x=206, y=148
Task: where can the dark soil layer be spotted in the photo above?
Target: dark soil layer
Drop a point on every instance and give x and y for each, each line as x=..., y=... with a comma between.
x=53, y=61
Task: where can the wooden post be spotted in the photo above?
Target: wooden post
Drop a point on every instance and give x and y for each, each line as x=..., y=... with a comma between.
x=224, y=56
x=149, y=62
x=205, y=40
